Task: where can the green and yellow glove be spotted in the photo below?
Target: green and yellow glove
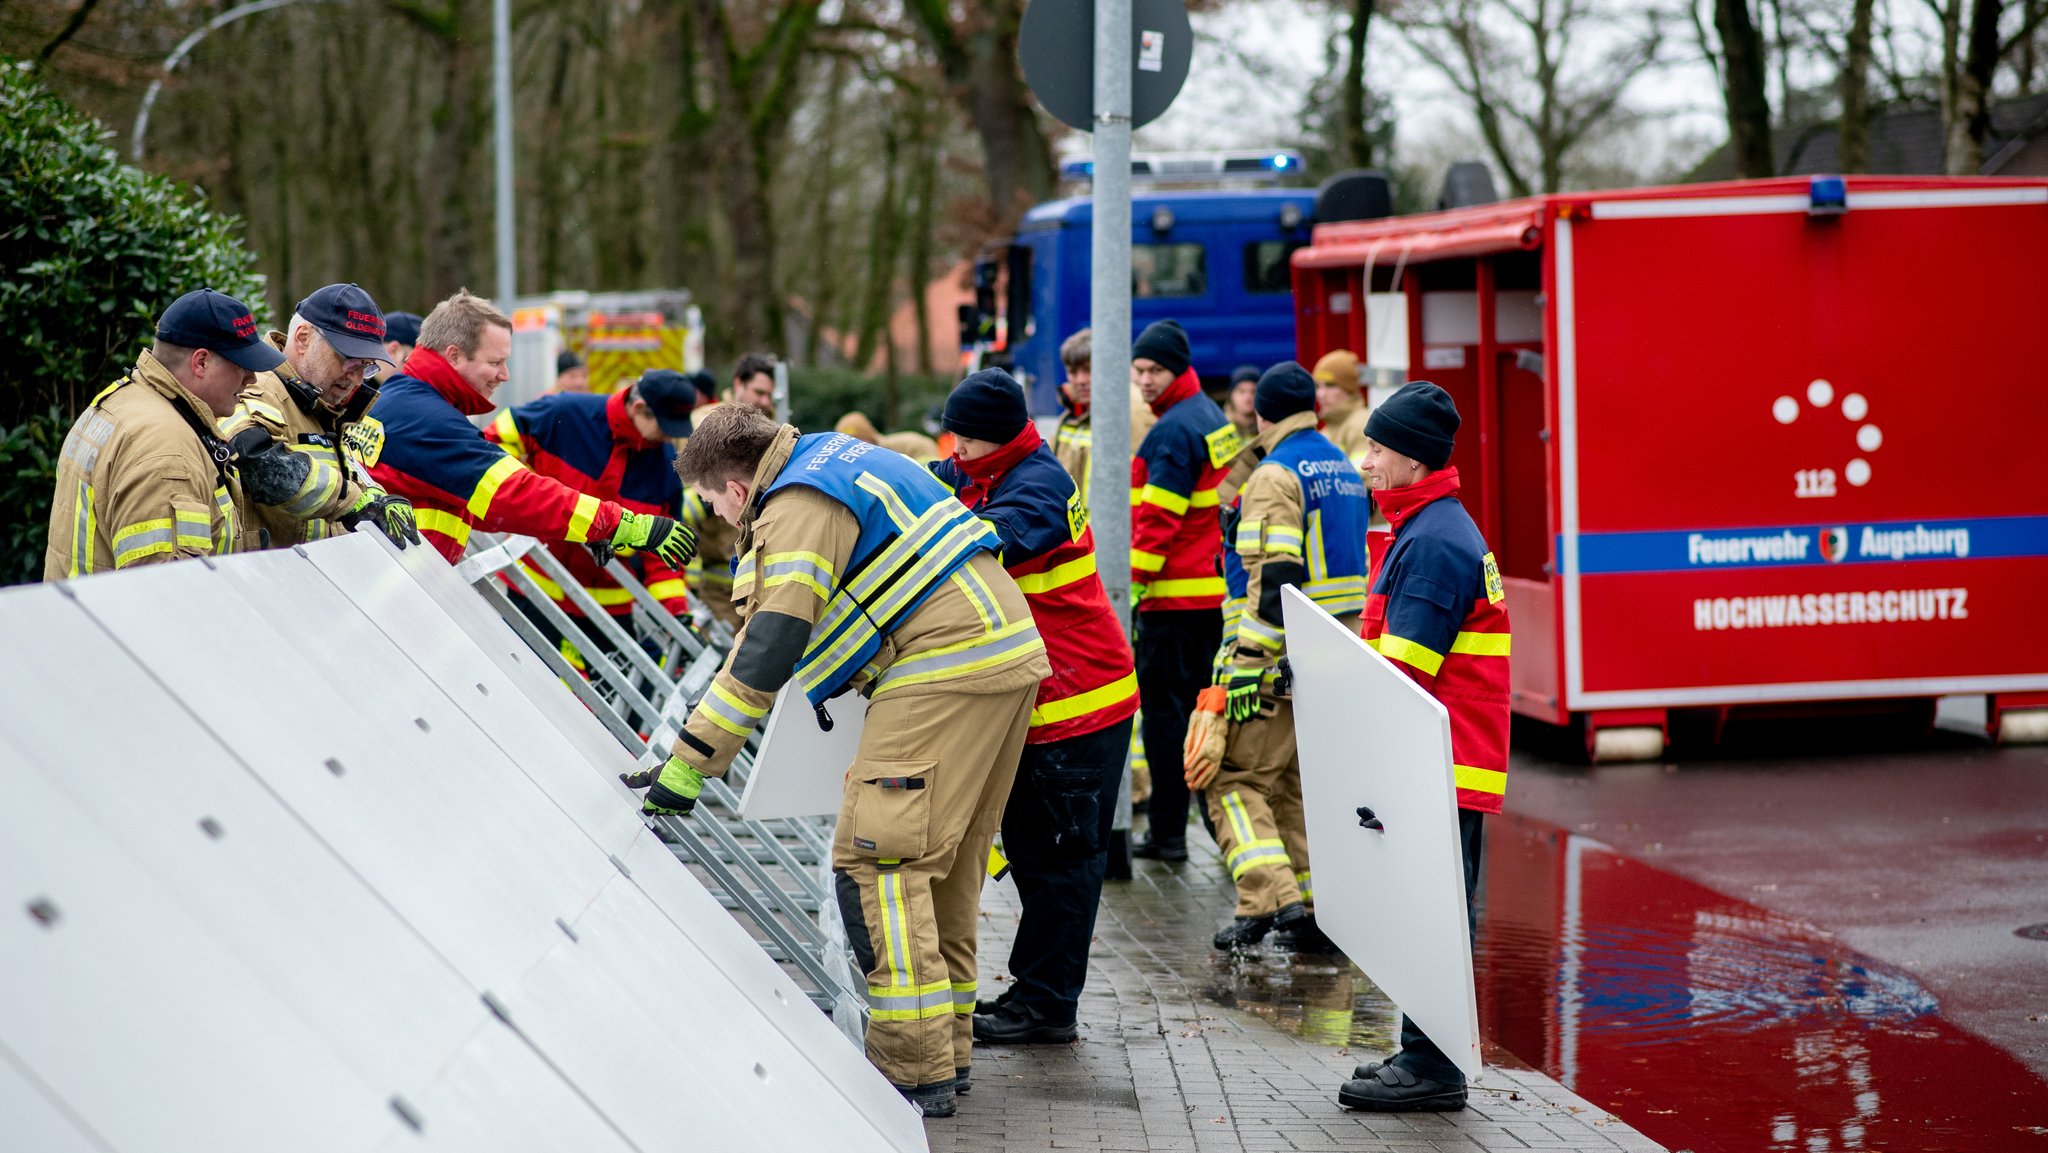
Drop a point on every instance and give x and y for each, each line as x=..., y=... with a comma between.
x=390, y=515
x=668, y=539
x=671, y=790
x=1244, y=694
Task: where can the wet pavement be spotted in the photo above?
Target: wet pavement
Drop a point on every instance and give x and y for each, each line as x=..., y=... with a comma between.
x=1813, y=937
x=1184, y=1049
x=1804, y=939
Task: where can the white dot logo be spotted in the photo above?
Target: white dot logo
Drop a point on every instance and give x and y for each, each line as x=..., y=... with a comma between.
x=1855, y=409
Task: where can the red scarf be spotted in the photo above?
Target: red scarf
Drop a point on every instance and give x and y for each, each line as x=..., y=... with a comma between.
x=1399, y=504
x=1075, y=408
x=984, y=471
x=1184, y=386
x=625, y=434
x=430, y=366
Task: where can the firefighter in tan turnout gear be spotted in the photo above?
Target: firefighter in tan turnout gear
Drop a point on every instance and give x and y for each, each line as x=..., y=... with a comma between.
x=307, y=404
x=143, y=476
x=1299, y=519
x=859, y=570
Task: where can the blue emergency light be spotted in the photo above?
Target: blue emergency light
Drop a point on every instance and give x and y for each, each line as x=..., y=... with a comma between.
x=1827, y=196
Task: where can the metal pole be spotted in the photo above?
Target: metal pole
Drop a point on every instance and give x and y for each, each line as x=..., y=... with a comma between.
x=1109, y=309
x=501, y=115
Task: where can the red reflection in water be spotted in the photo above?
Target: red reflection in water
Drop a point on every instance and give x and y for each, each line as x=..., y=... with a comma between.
x=1712, y=1025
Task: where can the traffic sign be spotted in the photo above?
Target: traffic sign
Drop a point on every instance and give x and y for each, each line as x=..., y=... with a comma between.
x=1056, y=45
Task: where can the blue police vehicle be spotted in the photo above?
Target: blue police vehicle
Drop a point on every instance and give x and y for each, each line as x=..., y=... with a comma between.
x=1213, y=258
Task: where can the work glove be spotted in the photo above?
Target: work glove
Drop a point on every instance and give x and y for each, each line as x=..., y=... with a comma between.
x=672, y=541
x=270, y=472
x=1202, y=755
x=390, y=515
x=672, y=789
x=1244, y=693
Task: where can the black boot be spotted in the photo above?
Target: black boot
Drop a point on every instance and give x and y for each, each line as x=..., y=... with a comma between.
x=931, y=1100
x=1306, y=937
x=1155, y=849
x=1394, y=1090
x=1243, y=933
x=961, y=1084
x=1022, y=1025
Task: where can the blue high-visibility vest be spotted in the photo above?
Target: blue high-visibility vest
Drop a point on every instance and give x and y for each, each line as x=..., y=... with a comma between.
x=913, y=535
x=1335, y=510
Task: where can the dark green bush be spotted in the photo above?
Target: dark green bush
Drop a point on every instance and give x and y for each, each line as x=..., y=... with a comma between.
x=91, y=250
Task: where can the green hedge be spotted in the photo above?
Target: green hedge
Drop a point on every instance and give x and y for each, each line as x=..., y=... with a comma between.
x=91, y=250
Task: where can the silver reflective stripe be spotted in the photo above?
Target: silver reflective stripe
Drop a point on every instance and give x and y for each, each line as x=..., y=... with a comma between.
x=81, y=532
x=913, y=1002
x=715, y=705
x=783, y=568
x=995, y=649
x=322, y=483
x=137, y=545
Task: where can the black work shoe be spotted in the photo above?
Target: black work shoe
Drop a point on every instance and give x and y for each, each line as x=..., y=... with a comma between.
x=1291, y=915
x=1022, y=1025
x=961, y=1084
x=1394, y=1090
x=1153, y=849
x=1243, y=933
x=931, y=1100
x=1306, y=937
x=995, y=1004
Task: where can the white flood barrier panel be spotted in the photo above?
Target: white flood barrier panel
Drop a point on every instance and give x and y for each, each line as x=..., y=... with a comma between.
x=801, y=769
x=305, y=867
x=1368, y=737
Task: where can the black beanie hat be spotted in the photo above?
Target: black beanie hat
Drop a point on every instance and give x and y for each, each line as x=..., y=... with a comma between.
x=1242, y=373
x=1419, y=420
x=1284, y=390
x=987, y=406
x=1164, y=341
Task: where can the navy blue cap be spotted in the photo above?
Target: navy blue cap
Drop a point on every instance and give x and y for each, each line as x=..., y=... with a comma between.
x=1244, y=372
x=707, y=386
x=987, y=406
x=1285, y=389
x=671, y=396
x=1420, y=420
x=403, y=327
x=219, y=323
x=566, y=360
x=349, y=319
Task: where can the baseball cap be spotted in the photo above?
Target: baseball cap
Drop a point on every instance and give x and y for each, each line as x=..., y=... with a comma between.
x=349, y=319
x=707, y=387
x=403, y=327
x=219, y=323
x=671, y=396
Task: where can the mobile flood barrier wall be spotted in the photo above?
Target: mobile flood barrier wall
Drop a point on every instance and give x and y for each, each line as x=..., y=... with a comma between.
x=303, y=849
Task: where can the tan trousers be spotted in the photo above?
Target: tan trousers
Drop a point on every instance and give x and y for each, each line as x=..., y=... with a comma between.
x=1255, y=804
x=923, y=802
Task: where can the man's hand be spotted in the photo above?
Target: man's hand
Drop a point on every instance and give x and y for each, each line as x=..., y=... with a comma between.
x=673, y=542
x=389, y=514
x=671, y=790
x=1244, y=693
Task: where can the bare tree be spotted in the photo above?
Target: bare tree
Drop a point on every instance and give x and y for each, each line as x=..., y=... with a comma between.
x=1743, y=67
x=975, y=42
x=1483, y=47
x=1971, y=51
x=1354, y=136
x=1854, y=85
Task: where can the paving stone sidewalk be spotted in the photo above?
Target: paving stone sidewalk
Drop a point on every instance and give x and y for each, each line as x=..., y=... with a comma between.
x=1182, y=1049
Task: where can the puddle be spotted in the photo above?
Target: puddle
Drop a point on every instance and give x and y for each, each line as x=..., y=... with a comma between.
x=1716, y=1026
x=1707, y=1023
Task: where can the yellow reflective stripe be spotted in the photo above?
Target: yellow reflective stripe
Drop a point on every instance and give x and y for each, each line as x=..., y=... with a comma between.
x=726, y=710
x=487, y=488
x=1282, y=536
x=1058, y=576
x=1408, y=653
x=606, y=595
x=667, y=590
x=508, y=434
x=1318, y=563
x=143, y=539
x=83, y=529
x=1251, y=628
x=223, y=541
x=1240, y=821
x=1142, y=561
x=441, y=521
x=891, y=503
x=1206, y=498
x=1195, y=587
x=323, y=483
x=1480, y=780
x=587, y=508
x=961, y=539
x=926, y=1001
x=266, y=411
x=1248, y=535
x=196, y=528
x=1016, y=639
x=979, y=601
x=895, y=928
x=1167, y=499
x=963, y=995
x=1282, y=548
x=1481, y=644
x=1081, y=704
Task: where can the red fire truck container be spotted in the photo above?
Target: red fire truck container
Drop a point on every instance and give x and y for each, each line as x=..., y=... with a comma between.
x=1760, y=443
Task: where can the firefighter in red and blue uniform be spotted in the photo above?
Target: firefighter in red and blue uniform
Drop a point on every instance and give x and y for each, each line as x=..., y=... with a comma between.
x=1056, y=825
x=1437, y=611
x=1298, y=518
x=614, y=448
x=1174, y=576
x=419, y=443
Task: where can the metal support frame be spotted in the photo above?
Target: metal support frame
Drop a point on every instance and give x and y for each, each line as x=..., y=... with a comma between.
x=769, y=873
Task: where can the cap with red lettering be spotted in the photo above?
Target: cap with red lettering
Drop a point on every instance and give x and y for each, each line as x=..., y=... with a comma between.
x=349, y=319
x=219, y=323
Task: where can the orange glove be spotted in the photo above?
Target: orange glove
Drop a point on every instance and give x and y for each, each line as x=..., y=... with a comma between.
x=1202, y=755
